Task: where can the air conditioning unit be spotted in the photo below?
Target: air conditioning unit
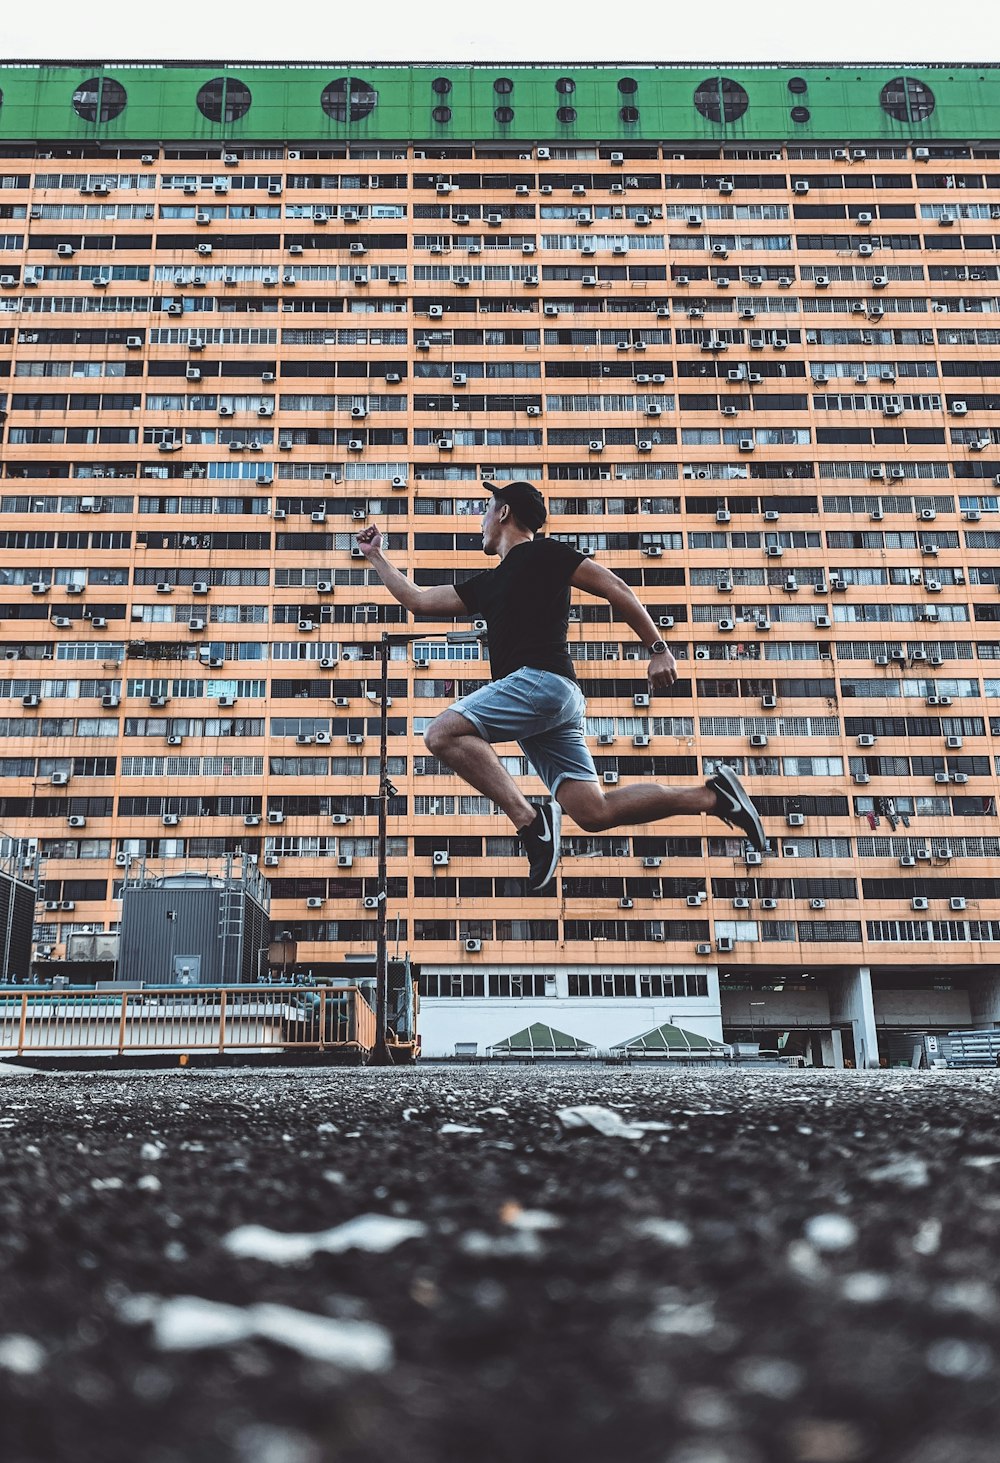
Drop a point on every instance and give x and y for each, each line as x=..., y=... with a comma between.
x=275, y=817
x=918, y=902
x=758, y=739
x=724, y=944
x=170, y=820
x=473, y=946
x=795, y=820
x=727, y=625
x=355, y=739
x=271, y=860
x=314, y=902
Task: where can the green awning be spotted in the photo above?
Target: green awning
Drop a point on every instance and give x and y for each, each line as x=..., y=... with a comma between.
x=663, y=1040
x=543, y=1041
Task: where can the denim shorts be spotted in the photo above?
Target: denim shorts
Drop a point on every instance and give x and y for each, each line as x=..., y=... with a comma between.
x=543, y=713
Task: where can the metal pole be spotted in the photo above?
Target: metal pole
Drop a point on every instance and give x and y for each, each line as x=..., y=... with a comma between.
x=380, y=1055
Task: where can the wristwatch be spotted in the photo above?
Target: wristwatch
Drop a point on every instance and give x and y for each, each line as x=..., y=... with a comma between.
x=658, y=647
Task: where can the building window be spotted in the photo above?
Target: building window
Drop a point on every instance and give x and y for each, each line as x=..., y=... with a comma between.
x=224, y=99
x=349, y=99
x=907, y=99
x=441, y=114
x=629, y=114
x=441, y=86
x=721, y=100
x=504, y=114
x=100, y=99
x=565, y=86
x=800, y=114
x=797, y=85
x=628, y=86
x=503, y=86
x=566, y=114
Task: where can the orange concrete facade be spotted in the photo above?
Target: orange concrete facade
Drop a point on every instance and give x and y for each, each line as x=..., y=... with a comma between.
x=758, y=385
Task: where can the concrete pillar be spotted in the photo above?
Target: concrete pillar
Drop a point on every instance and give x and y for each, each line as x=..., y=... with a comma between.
x=851, y=1002
x=832, y=1047
x=984, y=999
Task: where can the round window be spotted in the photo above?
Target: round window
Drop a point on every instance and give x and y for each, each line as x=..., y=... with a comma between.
x=441, y=114
x=503, y=86
x=629, y=114
x=721, y=100
x=100, y=99
x=907, y=99
x=565, y=86
x=800, y=114
x=566, y=114
x=224, y=99
x=504, y=114
x=441, y=86
x=628, y=86
x=797, y=85
x=348, y=99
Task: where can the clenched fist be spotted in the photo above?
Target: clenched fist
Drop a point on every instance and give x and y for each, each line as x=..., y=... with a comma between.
x=369, y=540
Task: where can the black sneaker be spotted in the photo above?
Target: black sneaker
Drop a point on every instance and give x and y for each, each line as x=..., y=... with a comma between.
x=735, y=807
x=541, y=844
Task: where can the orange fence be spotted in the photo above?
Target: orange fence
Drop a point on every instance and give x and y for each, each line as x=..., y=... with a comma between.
x=207, y=1018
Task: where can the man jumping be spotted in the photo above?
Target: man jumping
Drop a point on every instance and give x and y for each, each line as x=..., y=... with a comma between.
x=533, y=697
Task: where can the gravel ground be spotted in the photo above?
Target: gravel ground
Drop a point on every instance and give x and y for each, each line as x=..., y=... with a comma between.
x=780, y=1268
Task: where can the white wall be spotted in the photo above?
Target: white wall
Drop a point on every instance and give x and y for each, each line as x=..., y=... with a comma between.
x=444, y=1022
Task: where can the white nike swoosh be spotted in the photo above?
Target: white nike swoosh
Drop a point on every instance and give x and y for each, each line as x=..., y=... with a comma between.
x=545, y=837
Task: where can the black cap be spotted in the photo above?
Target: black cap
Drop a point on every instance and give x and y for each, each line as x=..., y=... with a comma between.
x=524, y=501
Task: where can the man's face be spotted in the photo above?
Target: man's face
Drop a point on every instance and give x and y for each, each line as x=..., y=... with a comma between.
x=490, y=524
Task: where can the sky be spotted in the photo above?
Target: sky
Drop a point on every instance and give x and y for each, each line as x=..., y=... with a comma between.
x=512, y=30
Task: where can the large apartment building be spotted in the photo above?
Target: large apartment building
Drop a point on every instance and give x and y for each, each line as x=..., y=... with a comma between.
x=739, y=327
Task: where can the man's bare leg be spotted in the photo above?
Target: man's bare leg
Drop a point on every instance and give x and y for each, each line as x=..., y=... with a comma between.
x=459, y=746
x=595, y=811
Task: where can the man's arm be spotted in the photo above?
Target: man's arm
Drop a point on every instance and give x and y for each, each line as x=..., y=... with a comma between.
x=595, y=579
x=440, y=601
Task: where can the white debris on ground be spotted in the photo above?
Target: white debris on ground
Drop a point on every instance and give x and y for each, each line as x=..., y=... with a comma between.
x=21, y=1355
x=606, y=1122
x=190, y=1323
x=376, y=1233
x=669, y=1232
x=830, y=1233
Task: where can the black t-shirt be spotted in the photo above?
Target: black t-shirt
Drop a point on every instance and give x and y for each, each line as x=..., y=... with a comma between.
x=525, y=603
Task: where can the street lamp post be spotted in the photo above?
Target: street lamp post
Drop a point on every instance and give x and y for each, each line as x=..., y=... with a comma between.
x=380, y=1055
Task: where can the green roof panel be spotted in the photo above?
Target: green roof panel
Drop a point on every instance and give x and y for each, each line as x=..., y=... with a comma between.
x=541, y=1040
x=749, y=104
x=668, y=1038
